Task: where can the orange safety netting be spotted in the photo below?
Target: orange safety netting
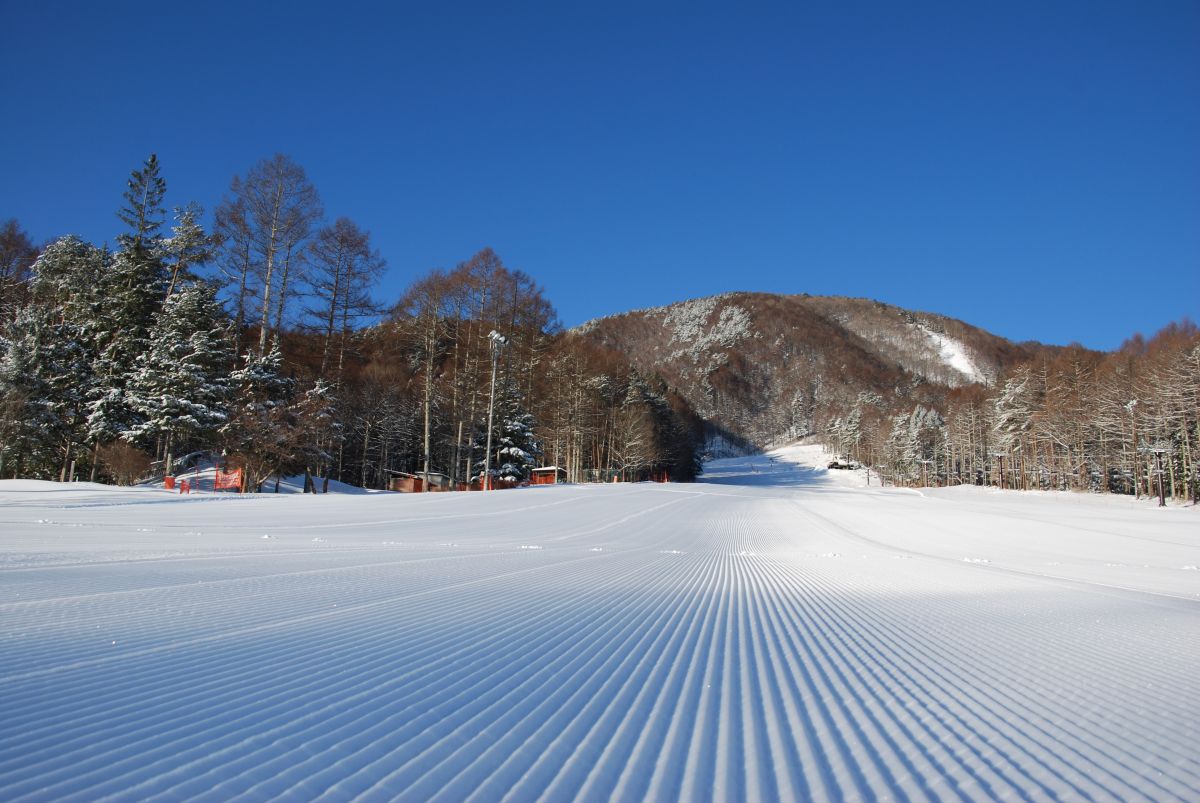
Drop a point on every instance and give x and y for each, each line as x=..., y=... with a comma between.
x=228, y=479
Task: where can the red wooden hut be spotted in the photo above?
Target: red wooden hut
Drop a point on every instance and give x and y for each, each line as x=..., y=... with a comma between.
x=548, y=475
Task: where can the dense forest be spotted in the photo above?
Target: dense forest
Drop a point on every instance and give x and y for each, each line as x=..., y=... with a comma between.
x=259, y=338
x=927, y=400
x=1071, y=419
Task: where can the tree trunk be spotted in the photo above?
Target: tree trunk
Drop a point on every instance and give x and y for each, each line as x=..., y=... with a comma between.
x=272, y=247
x=430, y=345
x=62, y=475
x=281, y=302
x=366, y=446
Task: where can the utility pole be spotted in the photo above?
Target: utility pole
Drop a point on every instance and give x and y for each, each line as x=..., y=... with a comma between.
x=498, y=341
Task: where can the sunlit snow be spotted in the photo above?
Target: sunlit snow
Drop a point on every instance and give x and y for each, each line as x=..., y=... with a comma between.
x=777, y=632
x=955, y=356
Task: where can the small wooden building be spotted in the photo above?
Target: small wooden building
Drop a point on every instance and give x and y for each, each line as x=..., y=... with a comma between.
x=415, y=483
x=549, y=475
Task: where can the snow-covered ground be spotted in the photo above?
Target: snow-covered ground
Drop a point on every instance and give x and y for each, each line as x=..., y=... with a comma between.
x=954, y=355
x=776, y=632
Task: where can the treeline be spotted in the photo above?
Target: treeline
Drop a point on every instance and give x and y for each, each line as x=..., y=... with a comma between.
x=1072, y=420
x=261, y=339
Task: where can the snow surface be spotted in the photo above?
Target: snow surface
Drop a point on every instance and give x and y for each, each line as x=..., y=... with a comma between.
x=778, y=631
x=954, y=355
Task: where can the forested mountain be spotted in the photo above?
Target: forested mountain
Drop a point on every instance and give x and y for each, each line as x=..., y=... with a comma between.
x=925, y=399
x=767, y=368
x=260, y=338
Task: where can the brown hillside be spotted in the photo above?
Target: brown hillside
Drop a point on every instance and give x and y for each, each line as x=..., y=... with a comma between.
x=765, y=368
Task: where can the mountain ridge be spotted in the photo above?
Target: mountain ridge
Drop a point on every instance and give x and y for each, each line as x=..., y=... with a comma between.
x=762, y=368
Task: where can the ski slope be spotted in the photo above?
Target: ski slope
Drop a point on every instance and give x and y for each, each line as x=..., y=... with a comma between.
x=777, y=632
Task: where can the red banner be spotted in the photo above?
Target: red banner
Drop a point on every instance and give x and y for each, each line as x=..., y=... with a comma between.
x=228, y=479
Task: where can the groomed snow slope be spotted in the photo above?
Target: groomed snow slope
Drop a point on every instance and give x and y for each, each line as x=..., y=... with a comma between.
x=777, y=632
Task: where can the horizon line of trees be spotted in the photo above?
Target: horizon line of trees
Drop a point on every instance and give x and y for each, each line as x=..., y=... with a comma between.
x=1124, y=422
x=258, y=341
x=255, y=340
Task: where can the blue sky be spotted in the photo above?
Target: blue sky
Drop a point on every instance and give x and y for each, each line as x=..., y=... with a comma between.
x=1032, y=168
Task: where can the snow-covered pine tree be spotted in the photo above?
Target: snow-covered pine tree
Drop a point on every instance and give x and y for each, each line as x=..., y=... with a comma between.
x=187, y=248
x=514, y=442
x=28, y=427
x=900, y=450
x=131, y=293
x=67, y=276
x=852, y=433
x=44, y=377
x=66, y=286
x=260, y=431
x=1012, y=417
x=180, y=388
x=517, y=447
x=143, y=211
x=61, y=318
x=317, y=431
x=926, y=443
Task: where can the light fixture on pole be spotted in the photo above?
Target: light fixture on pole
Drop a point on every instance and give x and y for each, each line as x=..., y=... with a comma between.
x=498, y=341
x=1158, y=449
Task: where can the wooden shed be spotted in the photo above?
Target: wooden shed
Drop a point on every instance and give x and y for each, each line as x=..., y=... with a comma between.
x=549, y=475
x=415, y=483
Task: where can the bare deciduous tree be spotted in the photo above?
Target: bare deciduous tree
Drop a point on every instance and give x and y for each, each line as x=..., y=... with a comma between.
x=263, y=225
x=343, y=272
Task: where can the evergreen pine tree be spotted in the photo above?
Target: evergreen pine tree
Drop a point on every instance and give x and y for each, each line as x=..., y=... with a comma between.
x=317, y=430
x=901, y=450
x=261, y=429
x=515, y=445
x=43, y=383
x=27, y=426
x=143, y=210
x=132, y=293
x=59, y=324
x=180, y=389
x=67, y=276
x=187, y=248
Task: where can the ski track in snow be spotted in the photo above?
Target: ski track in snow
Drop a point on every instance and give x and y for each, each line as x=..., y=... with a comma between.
x=624, y=642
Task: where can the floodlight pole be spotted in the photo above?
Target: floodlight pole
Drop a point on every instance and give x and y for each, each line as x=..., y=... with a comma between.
x=497, y=341
x=1158, y=449
x=1162, y=493
x=1132, y=407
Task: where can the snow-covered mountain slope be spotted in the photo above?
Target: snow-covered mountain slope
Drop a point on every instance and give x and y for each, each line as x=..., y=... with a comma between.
x=778, y=632
x=955, y=357
x=765, y=368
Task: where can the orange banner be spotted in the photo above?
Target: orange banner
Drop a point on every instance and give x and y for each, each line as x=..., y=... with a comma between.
x=228, y=479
